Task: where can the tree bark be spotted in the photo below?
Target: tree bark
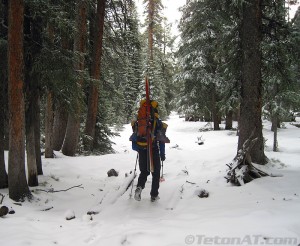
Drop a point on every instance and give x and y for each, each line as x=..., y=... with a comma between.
x=37, y=133
x=59, y=126
x=229, y=119
x=32, y=33
x=3, y=173
x=73, y=127
x=49, y=126
x=150, y=29
x=215, y=114
x=18, y=188
x=251, y=89
x=95, y=75
x=275, y=130
x=49, y=111
x=3, y=97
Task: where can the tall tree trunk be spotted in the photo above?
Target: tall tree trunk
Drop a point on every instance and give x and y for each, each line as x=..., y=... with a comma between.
x=60, y=111
x=95, y=75
x=37, y=36
x=49, y=115
x=150, y=29
x=251, y=89
x=73, y=127
x=3, y=96
x=31, y=91
x=3, y=73
x=18, y=188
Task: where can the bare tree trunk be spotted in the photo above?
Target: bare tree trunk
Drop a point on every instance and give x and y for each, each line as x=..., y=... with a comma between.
x=31, y=156
x=73, y=127
x=95, y=74
x=31, y=33
x=215, y=114
x=49, y=112
x=251, y=89
x=229, y=119
x=150, y=29
x=275, y=130
x=59, y=126
x=49, y=126
x=18, y=188
x=3, y=99
x=37, y=133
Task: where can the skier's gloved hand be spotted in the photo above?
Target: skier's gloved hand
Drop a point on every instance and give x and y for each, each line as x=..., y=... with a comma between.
x=162, y=157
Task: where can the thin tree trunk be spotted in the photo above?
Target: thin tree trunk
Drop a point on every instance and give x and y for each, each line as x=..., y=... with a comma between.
x=150, y=29
x=49, y=111
x=251, y=89
x=18, y=188
x=215, y=114
x=59, y=126
x=73, y=127
x=37, y=133
x=95, y=75
x=229, y=119
x=37, y=30
x=49, y=126
x=274, y=128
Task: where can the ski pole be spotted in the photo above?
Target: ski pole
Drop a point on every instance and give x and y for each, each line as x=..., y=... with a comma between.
x=162, y=172
x=137, y=157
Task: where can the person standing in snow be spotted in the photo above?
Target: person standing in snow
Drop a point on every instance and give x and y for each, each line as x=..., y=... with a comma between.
x=139, y=144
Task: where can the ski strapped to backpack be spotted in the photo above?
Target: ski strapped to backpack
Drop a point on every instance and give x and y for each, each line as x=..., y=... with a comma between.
x=150, y=164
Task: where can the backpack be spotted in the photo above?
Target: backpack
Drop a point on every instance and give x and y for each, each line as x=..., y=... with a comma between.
x=142, y=124
x=139, y=126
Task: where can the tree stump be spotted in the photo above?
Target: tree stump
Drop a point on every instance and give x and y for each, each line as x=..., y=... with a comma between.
x=241, y=170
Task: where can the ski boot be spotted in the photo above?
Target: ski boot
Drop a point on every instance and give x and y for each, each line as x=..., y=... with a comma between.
x=137, y=194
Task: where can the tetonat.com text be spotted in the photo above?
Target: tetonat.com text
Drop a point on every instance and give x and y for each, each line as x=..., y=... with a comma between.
x=246, y=240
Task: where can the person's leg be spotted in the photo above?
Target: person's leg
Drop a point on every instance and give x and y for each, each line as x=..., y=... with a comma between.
x=143, y=168
x=155, y=174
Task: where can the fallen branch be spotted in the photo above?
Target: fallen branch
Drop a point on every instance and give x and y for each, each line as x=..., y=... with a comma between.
x=53, y=191
x=47, y=209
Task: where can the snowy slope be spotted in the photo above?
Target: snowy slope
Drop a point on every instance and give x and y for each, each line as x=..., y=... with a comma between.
x=265, y=211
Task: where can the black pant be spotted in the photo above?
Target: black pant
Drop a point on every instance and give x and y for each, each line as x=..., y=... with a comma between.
x=144, y=172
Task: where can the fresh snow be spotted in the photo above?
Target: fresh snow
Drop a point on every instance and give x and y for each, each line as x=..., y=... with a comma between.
x=263, y=212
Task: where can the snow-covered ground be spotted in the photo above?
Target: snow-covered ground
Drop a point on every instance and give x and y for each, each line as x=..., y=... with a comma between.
x=263, y=212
